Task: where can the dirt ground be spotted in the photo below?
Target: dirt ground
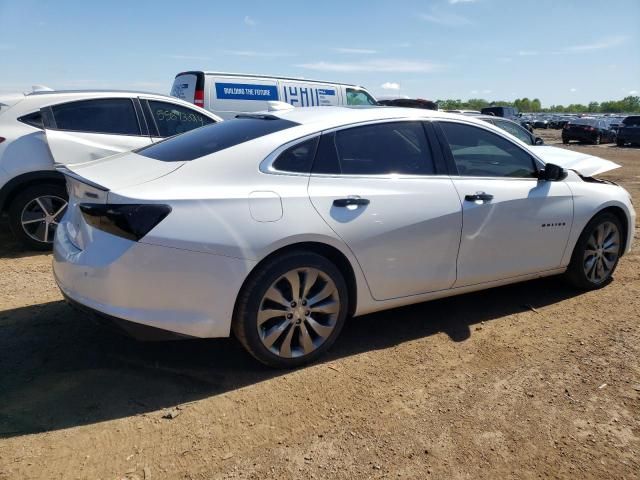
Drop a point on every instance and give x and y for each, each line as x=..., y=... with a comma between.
x=533, y=380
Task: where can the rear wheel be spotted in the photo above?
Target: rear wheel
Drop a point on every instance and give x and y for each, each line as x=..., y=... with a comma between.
x=34, y=215
x=620, y=142
x=596, y=253
x=598, y=140
x=291, y=310
x=565, y=141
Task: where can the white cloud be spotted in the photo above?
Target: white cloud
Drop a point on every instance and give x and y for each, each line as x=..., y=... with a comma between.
x=250, y=21
x=6, y=46
x=402, y=45
x=382, y=65
x=390, y=86
x=633, y=92
x=253, y=53
x=474, y=92
x=573, y=89
x=486, y=91
x=446, y=19
x=608, y=42
x=504, y=59
x=453, y=2
x=362, y=51
x=528, y=53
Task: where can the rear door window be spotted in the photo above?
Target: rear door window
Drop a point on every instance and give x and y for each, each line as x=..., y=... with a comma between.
x=379, y=149
x=115, y=116
x=34, y=119
x=215, y=137
x=171, y=119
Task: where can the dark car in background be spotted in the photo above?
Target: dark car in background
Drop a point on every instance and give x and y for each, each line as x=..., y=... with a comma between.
x=410, y=103
x=589, y=130
x=504, y=112
x=629, y=131
x=514, y=128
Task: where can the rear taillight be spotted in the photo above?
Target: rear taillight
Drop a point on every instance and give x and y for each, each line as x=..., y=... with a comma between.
x=126, y=220
x=198, y=98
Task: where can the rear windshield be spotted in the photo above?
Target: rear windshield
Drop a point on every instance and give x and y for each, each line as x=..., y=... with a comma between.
x=213, y=138
x=632, y=121
x=584, y=121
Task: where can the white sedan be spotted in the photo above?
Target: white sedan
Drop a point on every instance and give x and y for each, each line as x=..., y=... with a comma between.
x=278, y=226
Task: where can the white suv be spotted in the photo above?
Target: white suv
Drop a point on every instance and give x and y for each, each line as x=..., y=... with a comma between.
x=80, y=126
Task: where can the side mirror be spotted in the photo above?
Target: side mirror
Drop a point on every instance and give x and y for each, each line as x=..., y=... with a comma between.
x=538, y=141
x=552, y=173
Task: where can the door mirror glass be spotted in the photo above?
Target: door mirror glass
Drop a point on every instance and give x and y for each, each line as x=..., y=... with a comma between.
x=538, y=141
x=552, y=173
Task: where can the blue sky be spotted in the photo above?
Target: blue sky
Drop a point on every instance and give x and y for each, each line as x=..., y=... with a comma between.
x=561, y=51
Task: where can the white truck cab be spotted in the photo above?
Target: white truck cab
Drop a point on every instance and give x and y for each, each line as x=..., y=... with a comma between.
x=228, y=94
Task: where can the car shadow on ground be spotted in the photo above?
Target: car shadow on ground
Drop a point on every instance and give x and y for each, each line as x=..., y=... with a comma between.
x=9, y=246
x=60, y=370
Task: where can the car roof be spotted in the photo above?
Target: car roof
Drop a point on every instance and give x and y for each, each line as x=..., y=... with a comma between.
x=101, y=91
x=332, y=117
x=275, y=77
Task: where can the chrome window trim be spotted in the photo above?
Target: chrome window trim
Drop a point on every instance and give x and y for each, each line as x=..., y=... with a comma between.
x=266, y=166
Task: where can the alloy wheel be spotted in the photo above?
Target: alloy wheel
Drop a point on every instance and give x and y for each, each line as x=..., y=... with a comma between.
x=601, y=252
x=298, y=312
x=41, y=215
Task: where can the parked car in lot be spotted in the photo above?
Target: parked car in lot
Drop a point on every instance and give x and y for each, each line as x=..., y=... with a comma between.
x=629, y=131
x=504, y=112
x=514, y=128
x=278, y=226
x=83, y=126
x=228, y=94
x=541, y=122
x=409, y=103
x=591, y=130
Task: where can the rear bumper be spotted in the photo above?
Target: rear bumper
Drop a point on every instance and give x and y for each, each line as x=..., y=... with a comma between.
x=178, y=291
x=581, y=137
x=631, y=137
x=131, y=329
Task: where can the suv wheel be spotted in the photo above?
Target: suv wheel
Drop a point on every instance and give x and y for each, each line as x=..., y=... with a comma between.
x=620, y=142
x=596, y=253
x=34, y=215
x=292, y=310
x=598, y=140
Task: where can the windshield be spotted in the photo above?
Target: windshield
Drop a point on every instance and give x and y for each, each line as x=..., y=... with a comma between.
x=213, y=138
x=359, y=97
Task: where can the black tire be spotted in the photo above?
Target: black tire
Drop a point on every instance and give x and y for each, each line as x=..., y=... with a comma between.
x=620, y=143
x=598, y=140
x=245, y=321
x=23, y=200
x=565, y=141
x=575, y=273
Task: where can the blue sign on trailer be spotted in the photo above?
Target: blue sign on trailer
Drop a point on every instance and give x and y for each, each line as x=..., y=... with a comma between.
x=246, y=91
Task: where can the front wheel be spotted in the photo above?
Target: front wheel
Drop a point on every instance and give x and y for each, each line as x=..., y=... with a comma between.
x=596, y=254
x=598, y=140
x=34, y=215
x=291, y=310
x=620, y=142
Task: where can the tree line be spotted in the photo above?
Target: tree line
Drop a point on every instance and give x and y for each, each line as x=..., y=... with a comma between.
x=630, y=104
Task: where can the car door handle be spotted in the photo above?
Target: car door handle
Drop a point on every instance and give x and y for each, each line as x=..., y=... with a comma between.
x=485, y=197
x=346, y=202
